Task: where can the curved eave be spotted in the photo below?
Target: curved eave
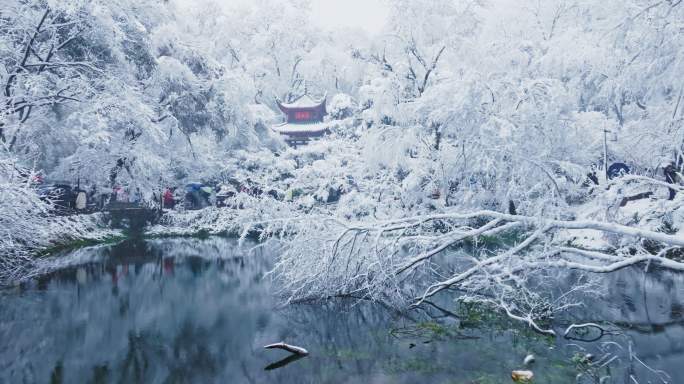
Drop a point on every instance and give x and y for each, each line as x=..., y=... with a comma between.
x=301, y=130
x=286, y=109
x=314, y=105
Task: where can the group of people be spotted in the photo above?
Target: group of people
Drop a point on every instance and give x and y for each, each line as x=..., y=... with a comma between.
x=192, y=196
x=125, y=195
x=168, y=198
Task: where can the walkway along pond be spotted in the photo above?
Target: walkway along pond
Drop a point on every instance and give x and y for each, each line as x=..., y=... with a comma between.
x=201, y=310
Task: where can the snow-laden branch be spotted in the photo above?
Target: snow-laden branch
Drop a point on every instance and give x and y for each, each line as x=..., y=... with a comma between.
x=394, y=225
x=81, y=64
x=28, y=227
x=392, y=260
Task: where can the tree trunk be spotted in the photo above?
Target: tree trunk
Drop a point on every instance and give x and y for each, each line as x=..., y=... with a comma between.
x=438, y=135
x=670, y=177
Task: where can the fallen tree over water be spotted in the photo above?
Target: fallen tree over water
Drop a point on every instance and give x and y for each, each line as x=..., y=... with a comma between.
x=515, y=263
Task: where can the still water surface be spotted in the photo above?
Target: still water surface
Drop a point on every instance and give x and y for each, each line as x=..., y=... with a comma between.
x=200, y=311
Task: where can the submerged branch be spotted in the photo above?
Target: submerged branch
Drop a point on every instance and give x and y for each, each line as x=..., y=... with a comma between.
x=287, y=347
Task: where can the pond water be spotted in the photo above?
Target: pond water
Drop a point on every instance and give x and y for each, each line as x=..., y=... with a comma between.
x=200, y=311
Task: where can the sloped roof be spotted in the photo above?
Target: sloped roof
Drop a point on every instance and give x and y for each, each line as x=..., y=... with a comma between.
x=304, y=101
x=301, y=129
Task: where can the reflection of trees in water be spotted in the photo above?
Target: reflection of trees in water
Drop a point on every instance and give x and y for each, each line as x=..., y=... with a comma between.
x=131, y=319
x=147, y=359
x=99, y=259
x=644, y=310
x=361, y=340
x=647, y=303
x=200, y=310
x=349, y=337
x=124, y=312
x=655, y=297
x=135, y=363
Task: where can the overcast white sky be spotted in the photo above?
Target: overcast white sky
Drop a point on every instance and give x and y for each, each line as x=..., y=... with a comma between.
x=370, y=15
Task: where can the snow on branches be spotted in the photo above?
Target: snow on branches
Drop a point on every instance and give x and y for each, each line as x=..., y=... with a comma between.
x=28, y=226
x=487, y=256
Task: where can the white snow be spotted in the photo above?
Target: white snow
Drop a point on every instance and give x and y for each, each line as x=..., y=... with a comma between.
x=457, y=113
x=313, y=128
x=304, y=101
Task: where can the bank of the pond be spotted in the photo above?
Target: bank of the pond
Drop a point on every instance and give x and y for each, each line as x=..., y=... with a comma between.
x=56, y=234
x=63, y=234
x=217, y=221
x=74, y=244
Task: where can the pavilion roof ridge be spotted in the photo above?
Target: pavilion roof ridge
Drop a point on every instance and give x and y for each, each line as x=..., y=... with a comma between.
x=304, y=101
